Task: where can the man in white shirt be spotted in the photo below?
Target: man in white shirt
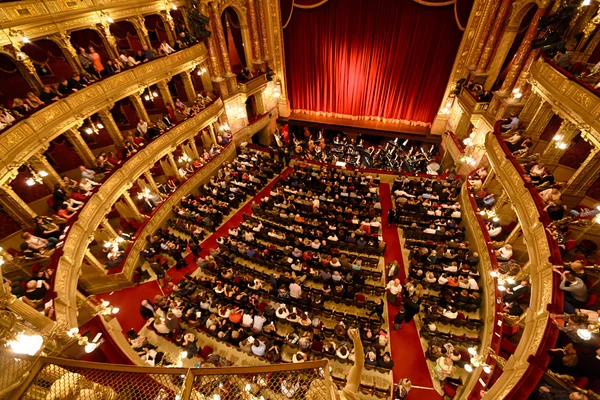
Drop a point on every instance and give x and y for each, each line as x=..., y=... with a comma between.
x=259, y=321
x=504, y=253
x=295, y=290
x=473, y=285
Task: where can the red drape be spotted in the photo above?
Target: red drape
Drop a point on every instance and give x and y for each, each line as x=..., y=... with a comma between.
x=13, y=83
x=371, y=58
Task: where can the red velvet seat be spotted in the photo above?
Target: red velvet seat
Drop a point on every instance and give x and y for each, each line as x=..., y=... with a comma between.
x=449, y=390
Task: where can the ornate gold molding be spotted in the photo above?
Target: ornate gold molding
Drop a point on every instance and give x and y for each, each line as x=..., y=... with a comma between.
x=27, y=137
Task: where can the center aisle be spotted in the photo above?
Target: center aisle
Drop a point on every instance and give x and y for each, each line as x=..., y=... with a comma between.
x=129, y=300
x=407, y=353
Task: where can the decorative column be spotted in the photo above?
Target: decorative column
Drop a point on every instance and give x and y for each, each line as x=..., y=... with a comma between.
x=169, y=25
x=25, y=67
x=188, y=86
x=213, y=137
x=514, y=234
x=111, y=127
x=540, y=120
x=491, y=8
x=139, y=24
x=93, y=261
x=140, y=110
x=163, y=88
x=256, y=50
x=530, y=108
x=553, y=153
x=207, y=82
x=229, y=76
x=522, y=54
x=109, y=228
x=131, y=204
x=81, y=148
x=585, y=176
x=151, y=181
x=192, y=144
x=494, y=35
x=263, y=30
x=173, y=164
x=40, y=163
x=522, y=79
x=488, y=180
x=63, y=40
x=110, y=42
x=16, y=207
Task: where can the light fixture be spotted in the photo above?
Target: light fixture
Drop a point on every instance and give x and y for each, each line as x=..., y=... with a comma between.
x=184, y=158
x=586, y=3
x=25, y=39
x=510, y=281
x=478, y=360
x=154, y=94
x=90, y=347
x=145, y=194
x=561, y=145
x=494, y=274
x=36, y=176
x=26, y=344
x=468, y=368
x=224, y=127
x=468, y=160
x=201, y=71
x=516, y=94
x=277, y=90
x=173, y=7
x=147, y=97
x=109, y=20
x=93, y=128
x=501, y=288
x=248, y=387
x=558, y=137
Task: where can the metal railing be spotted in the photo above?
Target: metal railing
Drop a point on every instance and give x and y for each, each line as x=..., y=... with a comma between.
x=52, y=379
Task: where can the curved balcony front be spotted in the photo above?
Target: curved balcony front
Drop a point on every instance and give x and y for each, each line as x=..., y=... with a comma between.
x=526, y=366
x=99, y=205
x=577, y=100
x=31, y=135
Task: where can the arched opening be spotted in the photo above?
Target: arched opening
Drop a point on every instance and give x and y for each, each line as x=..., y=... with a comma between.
x=251, y=108
x=13, y=83
x=525, y=22
x=233, y=37
x=87, y=38
x=49, y=60
x=156, y=30
x=62, y=156
x=126, y=35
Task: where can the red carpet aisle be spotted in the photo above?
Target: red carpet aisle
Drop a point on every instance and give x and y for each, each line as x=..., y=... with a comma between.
x=407, y=353
x=129, y=300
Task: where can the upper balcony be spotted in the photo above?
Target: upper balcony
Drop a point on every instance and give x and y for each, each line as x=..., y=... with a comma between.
x=578, y=100
x=32, y=134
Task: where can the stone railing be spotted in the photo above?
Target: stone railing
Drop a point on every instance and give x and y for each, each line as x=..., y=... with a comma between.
x=33, y=134
x=526, y=366
x=578, y=102
x=41, y=18
x=90, y=217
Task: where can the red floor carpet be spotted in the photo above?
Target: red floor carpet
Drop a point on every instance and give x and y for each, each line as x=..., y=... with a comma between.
x=407, y=353
x=409, y=361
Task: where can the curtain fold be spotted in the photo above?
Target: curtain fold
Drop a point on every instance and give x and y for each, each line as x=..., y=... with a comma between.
x=379, y=59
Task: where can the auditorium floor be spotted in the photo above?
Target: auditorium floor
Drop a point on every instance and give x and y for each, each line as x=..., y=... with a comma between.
x=406, y=346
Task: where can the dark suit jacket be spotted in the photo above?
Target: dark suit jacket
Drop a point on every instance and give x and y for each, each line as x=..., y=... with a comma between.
x=145, y=312
x=148, y=206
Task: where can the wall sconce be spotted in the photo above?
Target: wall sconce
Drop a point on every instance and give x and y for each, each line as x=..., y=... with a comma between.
x=477, y=360
x=18, y=34
x=184, y=158
x=93, y=128
x=150, y=96
x=516, y=94
x=173, y=7
x=36, y=176
x=468, y=160
x=201, y=71
x=26, y=344
x=448, y=107
x=586, y=3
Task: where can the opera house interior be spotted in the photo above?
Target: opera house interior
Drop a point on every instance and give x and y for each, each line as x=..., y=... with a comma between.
x=300, y=199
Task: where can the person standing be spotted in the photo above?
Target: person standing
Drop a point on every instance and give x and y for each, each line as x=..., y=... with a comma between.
x=412, y=307
x=391, y=217
x=399, y=317
x=96, y=61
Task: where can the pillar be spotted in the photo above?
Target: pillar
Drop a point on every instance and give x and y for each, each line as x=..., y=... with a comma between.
x=501, y=201
x=522, y=79
x=63, y=40
x=81, y=148
x=493, y=36
x=192, y=144
x=26, y=67
x=131, y=204
x=40, y=163
x=514, y=234
x=93, y=261
x=111, y=127
x=263, y=30
x=16, y=207
x=169, y=25
x=553, y=153
x=140, y=110
x=173, y=164
x=188, y=86
x=585, y=176
x=163, y=88
x=529, y=109
x=540, y=119
x=222, y=44
x=519, y=59
x=213, y=137
x=109, y=228
x=140, y=27
x=491, y=8
x=151, y=181
x=207, y=82
x=256, y=50
x=488, y=180
x=109, y=40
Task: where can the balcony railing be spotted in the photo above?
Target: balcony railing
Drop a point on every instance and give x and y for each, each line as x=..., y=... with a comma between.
x=531, y=356
x=99, y=205
x=492, y=335
x=472, y=105
x=253, y=84
x=568, y=94
x=29, y=377
x=452, y=146
x=33, y=134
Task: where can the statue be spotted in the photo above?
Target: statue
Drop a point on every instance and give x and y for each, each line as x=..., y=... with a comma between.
x=198, y=21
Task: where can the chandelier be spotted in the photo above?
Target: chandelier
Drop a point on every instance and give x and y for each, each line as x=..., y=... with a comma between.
x=478, y=360
x=489, y=214
x=150, y=96
x=93, y=128
x=201, y=71
x=184, y=158
x=36, y=176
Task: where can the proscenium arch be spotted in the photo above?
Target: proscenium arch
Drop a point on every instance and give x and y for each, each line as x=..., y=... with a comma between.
x=242, y=14
x=519, y=11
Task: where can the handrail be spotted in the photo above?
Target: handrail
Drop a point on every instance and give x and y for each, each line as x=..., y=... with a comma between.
x=452, y=145
x=567, y=94
x=31, y=135
x=100, y=203
x=526, y=366
x=487, y=259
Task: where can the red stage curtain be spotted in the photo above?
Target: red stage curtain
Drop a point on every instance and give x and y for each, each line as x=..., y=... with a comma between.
x=378, y=58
